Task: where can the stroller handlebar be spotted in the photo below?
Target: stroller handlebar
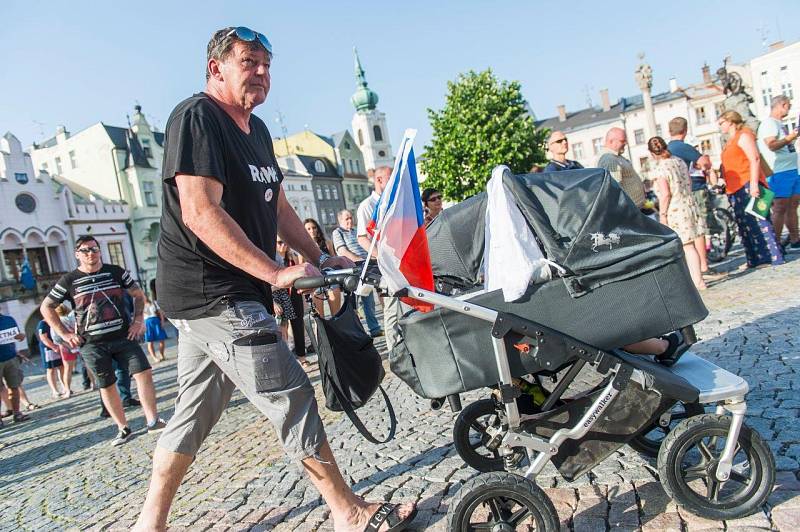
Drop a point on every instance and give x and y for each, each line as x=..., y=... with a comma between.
x=347, y=278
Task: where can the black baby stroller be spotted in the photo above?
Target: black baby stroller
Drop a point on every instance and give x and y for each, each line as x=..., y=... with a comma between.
x=625, y=280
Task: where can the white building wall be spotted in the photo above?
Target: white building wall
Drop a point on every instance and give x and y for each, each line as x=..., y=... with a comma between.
x=773, y=73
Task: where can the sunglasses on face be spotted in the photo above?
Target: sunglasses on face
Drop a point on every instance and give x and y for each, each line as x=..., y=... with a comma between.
x=246, y=34
x=279, y=243
x=435, y=198
x=559, y=141
x=86, y=251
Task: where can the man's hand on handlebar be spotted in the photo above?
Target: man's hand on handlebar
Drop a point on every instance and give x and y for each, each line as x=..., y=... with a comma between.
x=287, y=276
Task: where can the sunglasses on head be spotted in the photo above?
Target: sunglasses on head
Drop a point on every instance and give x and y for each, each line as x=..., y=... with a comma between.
x=246, y=34
x=86, y=251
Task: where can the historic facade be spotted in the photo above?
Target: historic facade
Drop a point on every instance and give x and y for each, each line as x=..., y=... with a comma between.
x=121, y=164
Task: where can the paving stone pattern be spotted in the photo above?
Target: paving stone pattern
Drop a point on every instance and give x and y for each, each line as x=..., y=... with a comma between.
x=57, y=472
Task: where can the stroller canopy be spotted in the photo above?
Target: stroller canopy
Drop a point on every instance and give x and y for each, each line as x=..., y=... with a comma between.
x=582, y=218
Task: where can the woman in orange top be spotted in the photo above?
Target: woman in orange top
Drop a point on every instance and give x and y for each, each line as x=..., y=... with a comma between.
x=741, y=169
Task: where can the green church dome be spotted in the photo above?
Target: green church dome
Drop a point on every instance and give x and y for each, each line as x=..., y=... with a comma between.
x=363, y=99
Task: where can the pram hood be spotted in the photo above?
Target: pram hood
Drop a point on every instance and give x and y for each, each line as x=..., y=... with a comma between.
x=583, y=219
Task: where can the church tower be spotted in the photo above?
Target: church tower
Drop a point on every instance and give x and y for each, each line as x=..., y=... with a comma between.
x=369, y=124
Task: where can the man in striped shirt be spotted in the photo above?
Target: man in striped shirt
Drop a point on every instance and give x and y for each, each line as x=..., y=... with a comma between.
x=345, y=244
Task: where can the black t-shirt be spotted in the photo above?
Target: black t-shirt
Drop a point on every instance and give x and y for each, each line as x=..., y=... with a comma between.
x=99, y=301
x=203, y=140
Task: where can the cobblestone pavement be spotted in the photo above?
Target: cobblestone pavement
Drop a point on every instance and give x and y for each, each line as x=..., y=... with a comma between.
x=58, y=472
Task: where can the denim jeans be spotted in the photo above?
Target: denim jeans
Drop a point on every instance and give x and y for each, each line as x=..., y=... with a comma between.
x=368, y=306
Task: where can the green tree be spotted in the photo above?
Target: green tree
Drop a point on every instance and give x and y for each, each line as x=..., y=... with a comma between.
x=484, y=123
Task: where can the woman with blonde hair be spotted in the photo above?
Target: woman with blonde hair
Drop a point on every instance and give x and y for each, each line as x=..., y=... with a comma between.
x=741, y=169
x=677, y=207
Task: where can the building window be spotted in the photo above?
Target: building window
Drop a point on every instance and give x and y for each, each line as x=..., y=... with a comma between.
x=25, y=202
x=658, y=130
x=319, y=166
x=597, y=145
x=360, y=138
x=718, y=110
x=45, y=168
x=148, y=152
x=149, y=194
x=115, y=255
x=320, y=193
x=638, y=136
x=700, y=116
x=786, y=83
x=346, y=145
x=376, y=130
x=72, y=162
x=327, y=193
x=335, y=192
x=577, y=150
x=304, y=187
x=21, y=177
x=766, y=90
x=644, y=164
x=59, y=171
x=705, y=146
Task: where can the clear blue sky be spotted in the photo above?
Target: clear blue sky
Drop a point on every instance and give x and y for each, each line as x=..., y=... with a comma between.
x=77, y=63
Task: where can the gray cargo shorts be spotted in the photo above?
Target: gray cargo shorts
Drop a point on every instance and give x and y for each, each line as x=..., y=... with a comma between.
x=239, y=344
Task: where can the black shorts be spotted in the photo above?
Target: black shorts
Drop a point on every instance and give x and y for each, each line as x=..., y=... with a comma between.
x=99, y=358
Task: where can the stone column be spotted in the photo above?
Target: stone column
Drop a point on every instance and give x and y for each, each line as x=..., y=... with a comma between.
x=644, y=78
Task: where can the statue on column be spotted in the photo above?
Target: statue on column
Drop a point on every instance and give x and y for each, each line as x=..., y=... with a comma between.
x=644, y=75
x=736, y=97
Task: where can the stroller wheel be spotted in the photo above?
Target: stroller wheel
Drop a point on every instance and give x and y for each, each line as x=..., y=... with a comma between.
x=648, y=442
x=687, y=465
x=476, y=436
x=501, y=501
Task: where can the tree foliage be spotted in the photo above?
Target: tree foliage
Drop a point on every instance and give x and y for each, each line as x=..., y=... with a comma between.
x=484, y=122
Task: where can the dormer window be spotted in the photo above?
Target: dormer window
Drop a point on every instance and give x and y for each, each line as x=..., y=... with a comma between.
x=148, y=152
x=319, y=166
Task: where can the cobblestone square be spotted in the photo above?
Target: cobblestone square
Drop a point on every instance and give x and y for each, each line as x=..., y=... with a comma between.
x=57, y=471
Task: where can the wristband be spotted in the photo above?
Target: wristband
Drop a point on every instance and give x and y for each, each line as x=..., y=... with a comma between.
x=322, y=258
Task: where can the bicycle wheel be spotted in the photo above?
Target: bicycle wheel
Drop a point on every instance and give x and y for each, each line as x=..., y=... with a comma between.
x=648, y=442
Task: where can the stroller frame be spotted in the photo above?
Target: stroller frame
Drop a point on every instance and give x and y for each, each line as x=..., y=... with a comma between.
x=715, y=385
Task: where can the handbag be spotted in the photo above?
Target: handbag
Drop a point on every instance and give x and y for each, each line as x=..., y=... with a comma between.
x=351, y=369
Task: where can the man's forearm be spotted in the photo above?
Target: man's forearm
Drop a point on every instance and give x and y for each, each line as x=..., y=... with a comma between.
x=138, y=304
x=217, y=230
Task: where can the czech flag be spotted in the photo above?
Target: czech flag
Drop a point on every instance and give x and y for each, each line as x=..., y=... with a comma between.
x=403, y=256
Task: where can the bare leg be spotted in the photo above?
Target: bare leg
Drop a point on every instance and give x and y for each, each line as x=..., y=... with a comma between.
x=791, y=219
x=23, y=397
x=66, y=376
x=147, y=394
x=51, y=381
x=348, y=511
x=780, y=206
x=113, y=403
x=651, y=346
x=161, y=346
x=5, y=401
x=169, y=468
x=700, y=246
x=693, y=261
x=13, y=396
x=151, y=351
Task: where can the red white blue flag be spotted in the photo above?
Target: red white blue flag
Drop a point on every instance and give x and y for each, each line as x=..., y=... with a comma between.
x=403, y=256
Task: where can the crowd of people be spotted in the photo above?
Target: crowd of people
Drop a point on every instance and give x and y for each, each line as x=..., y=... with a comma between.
x=681, y=177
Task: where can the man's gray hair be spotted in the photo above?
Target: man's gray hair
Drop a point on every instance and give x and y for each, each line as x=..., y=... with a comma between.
x=221, y=43
x=778, y=100
x=342, y=213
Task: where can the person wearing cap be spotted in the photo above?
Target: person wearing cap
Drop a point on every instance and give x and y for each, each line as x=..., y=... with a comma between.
x=558, y=145
x=223, y=209
x=432, y=203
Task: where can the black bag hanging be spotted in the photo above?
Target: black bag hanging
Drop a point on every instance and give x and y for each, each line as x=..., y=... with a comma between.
x=350, y=366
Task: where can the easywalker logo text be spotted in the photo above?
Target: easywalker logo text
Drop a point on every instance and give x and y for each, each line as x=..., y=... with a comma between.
x=263, y=175
x=599, y=410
